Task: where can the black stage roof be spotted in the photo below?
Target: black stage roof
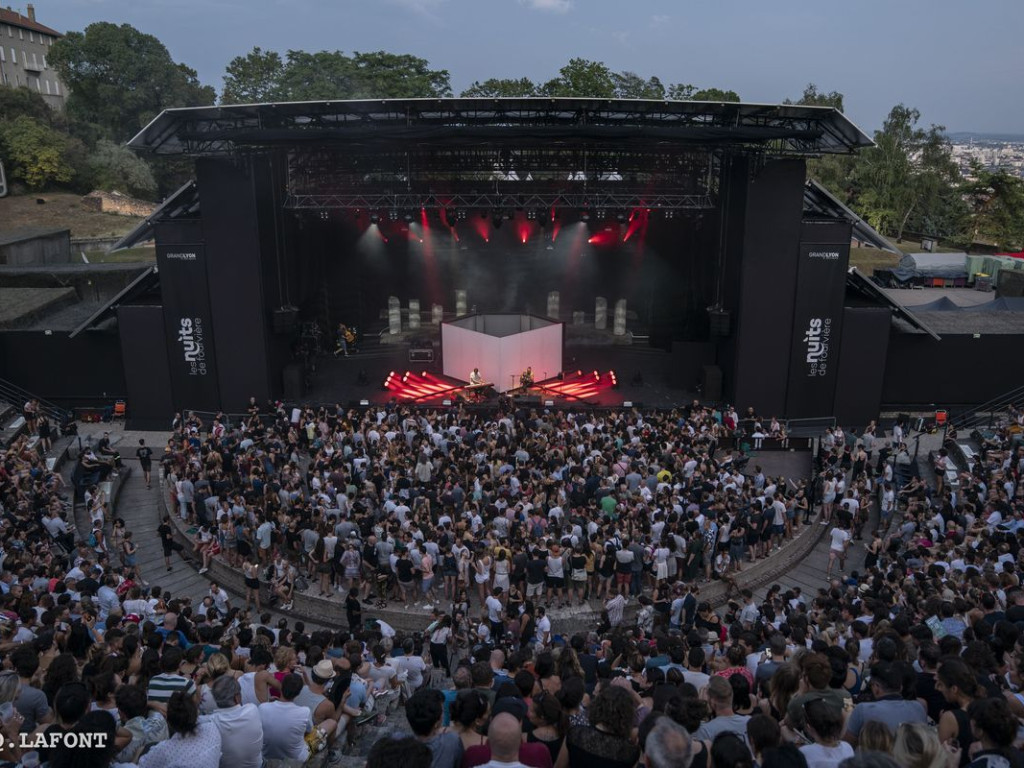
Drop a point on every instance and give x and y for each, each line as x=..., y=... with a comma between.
x=387, y=125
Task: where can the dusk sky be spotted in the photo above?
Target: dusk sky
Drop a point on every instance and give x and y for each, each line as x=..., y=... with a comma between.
x=961, y=64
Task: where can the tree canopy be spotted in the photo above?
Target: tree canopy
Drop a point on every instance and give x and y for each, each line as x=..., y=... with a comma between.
x=262, y=76
x=120, y=78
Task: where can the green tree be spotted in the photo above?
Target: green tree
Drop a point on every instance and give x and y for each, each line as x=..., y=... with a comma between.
x=908, y=179
x=315, y=76
x=120, y=78
x=303, y=76
x=812, y=97
x=996, y=200
x=681, y=92
x=24, y=101
x=383, y=75
x=114, y=167
x=38, y=155
x=687, y=92
x=500, y=87
x=253, y=78
x=715, y=94
x=629, y=85
x=583, y=78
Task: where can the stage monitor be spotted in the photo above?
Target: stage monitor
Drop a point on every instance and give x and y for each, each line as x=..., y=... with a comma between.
x=502, y=347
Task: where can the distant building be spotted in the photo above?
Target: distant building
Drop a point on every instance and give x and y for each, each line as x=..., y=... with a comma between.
x=24, y=47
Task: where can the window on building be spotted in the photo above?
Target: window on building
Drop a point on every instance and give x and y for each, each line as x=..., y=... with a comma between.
x=24, y=59
x=39, y=86
x=3, y=57
x=45, y=65
x=21, y=33
x=56, y=87
x=14, y=57
x=31, y=36
x=47, y=87
x=35, y=62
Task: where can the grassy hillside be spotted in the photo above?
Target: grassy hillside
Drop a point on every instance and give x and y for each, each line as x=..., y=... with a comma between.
x=60, y=211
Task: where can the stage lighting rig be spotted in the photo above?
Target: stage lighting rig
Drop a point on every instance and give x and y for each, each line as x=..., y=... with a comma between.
x=621, y=216
x=393, y=215
x=585, y=214
x=375, y=218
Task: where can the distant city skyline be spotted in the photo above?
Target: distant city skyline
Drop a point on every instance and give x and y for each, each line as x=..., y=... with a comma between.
x=960, y=65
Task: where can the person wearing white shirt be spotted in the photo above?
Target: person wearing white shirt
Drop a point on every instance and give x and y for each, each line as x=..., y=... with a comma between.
x=837, y=549
x=220, y=599
x=543, y=627
x=107, y=597
x=240, y=726
x=412, y=665
x=285, y=724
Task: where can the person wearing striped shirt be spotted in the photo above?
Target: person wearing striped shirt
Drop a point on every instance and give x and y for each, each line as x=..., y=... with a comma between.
x=168, y=681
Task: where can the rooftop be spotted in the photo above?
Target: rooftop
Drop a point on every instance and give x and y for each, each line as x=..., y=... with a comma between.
x=13, y=236
x=15, y=19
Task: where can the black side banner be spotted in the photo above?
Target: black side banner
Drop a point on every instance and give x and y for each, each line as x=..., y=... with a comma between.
x=190, y=349
x=817, y=320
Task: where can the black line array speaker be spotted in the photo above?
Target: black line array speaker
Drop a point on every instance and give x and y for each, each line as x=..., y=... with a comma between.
x=712, y=381
x=294, y=390
x=720, y=322
x=284, y=319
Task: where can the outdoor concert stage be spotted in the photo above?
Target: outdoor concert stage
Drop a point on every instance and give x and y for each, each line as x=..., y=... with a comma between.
x=645, y=381
x=679, y=244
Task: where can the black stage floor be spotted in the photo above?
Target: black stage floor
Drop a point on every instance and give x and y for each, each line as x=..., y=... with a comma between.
x=360, y=376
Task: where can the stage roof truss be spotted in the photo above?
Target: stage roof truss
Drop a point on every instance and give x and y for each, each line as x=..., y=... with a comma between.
x=500, y=201
x=818, y=201
x=183, y=203
x=146, y=281
x=780, y=129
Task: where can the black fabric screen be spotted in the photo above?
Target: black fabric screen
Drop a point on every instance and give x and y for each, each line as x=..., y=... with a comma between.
x=188, y=326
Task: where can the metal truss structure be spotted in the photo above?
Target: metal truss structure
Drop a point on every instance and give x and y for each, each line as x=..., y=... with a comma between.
x=608, y=201
x=780, y=130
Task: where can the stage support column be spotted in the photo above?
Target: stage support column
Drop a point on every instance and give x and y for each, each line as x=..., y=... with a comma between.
x=601, y=313
x=578, y=318
x=394, y=316
x=765, y=224
x=233, y=193
x=437, y=314
x=414, y=314
x=553, y=304
x=620, y=318
x=460, y=303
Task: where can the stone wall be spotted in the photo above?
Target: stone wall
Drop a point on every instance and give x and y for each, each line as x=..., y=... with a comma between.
x=115, y=202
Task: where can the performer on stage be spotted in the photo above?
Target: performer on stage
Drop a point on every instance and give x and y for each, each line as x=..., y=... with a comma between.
x=345, y=339
x=526, y=379
x=475, y=378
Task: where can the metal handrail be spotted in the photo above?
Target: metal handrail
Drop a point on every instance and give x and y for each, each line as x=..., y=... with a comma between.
x=17, y=396
x=986, y=411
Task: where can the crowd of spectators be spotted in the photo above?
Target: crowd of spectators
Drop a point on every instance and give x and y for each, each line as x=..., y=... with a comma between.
x=491, y=520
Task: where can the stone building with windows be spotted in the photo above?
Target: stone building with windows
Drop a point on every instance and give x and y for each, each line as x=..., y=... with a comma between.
x=24, y=50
